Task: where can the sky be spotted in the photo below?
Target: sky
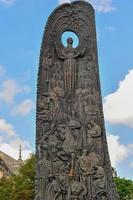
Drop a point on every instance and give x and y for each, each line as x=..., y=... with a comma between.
x=22, y=24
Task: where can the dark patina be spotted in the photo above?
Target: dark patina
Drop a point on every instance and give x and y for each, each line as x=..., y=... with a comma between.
x=71, y=148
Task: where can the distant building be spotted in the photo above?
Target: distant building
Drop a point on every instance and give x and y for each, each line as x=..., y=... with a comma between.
x=8, y=165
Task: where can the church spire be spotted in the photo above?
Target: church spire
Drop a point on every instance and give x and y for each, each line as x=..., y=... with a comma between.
x=20, y=153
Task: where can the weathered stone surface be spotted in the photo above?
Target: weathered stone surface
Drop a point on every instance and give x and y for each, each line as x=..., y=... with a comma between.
x=71, y=147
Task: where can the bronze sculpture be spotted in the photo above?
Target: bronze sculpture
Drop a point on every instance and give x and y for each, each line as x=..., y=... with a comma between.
x=71, y=147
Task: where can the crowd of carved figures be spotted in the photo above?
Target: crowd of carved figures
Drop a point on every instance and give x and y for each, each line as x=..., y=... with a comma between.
x=69, y=150
x=69, y=162
x=70, y=132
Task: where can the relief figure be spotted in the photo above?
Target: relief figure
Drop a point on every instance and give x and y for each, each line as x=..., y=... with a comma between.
x=73, y=137
x=47, y=70
x=53, y=189
x=84, y=168
x=78, y=189
x=94, y=134
x=45, y=169
x=99, y=183
x=69, y=55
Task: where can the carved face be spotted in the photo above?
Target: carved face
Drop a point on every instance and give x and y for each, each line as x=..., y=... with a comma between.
x=70, y=41
x=85, y=152
x=44, y=103
x=89, y=126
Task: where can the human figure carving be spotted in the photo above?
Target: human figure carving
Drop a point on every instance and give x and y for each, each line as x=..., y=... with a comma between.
x=73, y=137
x=94, y=157
x=85, y=169
x=78, y=189
x=94, y=129
x=79, y=106
x=46, y=73
x=99, y=182
x=45, y=169
x=54, y=191
x=94, y=133
x=69, y=55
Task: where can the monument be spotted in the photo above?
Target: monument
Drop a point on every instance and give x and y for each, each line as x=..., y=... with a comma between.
x=72, y=160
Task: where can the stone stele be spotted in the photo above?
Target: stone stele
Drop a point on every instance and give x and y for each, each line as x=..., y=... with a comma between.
x=72, y=160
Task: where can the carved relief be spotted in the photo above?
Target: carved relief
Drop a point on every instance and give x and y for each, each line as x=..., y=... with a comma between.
x=71, y=150
x=94, y=134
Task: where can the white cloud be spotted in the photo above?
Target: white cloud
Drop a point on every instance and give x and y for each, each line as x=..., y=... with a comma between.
x=103, y=5
x=14, y=152
x=6, y=128
x=24, y=108
x=118, y=106
x=7, y=2
x=99, y=5
x=10, y=141
x=64, y=1
x=2, y=70
x=131, y=146
x=118, y=152
x=9, y=89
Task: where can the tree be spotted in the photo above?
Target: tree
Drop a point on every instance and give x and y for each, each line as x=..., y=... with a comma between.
x=6, y=186
x=19, y=187
x=124, y=188
x=23, y=184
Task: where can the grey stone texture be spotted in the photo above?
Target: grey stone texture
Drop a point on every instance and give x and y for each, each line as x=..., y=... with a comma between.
x=71, y=148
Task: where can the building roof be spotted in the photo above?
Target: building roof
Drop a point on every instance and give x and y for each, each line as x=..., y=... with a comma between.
x=12, y=164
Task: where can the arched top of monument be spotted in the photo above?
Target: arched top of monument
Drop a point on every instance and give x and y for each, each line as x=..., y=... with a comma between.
x=77, y=17
x=79, y=5
x=83, y=4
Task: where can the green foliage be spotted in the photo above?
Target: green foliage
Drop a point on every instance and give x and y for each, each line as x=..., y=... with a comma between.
x=124, y=188
x=6, y=186
x=19, y=187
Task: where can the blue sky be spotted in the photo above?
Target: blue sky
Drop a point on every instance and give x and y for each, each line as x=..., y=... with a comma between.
x=21, y=28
